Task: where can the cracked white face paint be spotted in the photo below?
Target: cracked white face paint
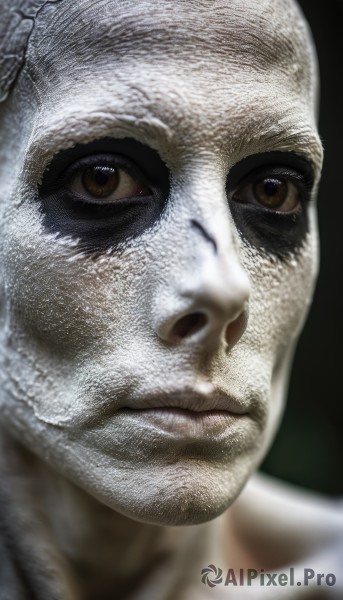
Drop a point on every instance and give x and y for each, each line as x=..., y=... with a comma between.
x=198, y=309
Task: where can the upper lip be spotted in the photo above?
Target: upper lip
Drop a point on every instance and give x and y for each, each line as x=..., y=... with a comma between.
x=193, y=400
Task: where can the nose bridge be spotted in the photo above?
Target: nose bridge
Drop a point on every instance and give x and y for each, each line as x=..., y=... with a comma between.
x=218, y=282
x=199, y=201
x=216, y=270
x=216, y=275
x=207, y=296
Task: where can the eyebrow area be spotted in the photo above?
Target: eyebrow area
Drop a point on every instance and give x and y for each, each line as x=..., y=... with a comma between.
x=65, y=133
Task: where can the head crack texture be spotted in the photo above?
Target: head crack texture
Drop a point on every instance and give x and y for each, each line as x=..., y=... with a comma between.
x=16, y=25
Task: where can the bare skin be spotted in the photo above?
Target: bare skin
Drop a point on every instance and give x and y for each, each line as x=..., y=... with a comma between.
x=96, y=552
x=145, y=365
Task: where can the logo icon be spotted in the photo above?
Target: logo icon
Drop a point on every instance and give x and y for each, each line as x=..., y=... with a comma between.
x=211, y=575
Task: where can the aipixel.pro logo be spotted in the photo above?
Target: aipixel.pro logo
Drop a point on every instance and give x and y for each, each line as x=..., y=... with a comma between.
x=211, y=575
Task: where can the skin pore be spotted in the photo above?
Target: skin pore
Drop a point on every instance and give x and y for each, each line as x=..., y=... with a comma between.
x=159, y=253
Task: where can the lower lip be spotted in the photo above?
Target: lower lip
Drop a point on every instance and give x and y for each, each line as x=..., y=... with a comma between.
x=187, y=423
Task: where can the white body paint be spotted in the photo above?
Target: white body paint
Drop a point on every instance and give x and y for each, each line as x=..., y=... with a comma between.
x=83, y=338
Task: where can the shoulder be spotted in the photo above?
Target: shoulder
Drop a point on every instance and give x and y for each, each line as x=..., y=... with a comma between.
x=284, y=505
x=287, y=521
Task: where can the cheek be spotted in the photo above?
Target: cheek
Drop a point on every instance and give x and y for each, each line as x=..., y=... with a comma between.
x=280, y=298
x=281, y=295
x=59, y=299
x=62, y=311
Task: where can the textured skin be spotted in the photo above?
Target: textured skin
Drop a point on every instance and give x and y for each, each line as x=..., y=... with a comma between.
x=16, y=24
x=86, y=336
x=74, y=360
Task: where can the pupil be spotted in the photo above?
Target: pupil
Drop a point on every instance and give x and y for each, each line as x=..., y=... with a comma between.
x=271, y=187
x=101, y=177
x=100, y=181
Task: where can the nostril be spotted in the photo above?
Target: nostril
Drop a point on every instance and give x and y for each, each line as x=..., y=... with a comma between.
x=236, y=328
x=188, y=325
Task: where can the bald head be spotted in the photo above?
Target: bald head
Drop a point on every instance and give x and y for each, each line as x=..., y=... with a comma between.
x=16, y=25
x=274, y=32
x=159, y=171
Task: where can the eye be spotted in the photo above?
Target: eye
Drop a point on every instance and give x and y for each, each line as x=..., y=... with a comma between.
x=104, y=193
x=105, y=182
x=273, y=193
x=270, y=200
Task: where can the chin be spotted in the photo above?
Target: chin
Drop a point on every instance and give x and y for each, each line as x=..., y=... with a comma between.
x=189, y=493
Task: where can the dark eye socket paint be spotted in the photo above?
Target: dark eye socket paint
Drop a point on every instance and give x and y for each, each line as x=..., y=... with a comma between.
x=271, y=231
x=101, y=226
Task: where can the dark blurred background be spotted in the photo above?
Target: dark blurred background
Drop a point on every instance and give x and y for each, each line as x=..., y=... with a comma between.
x=309, y=447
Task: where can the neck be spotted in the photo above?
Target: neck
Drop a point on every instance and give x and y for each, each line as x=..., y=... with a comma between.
x=109, y=552
x=94, y=550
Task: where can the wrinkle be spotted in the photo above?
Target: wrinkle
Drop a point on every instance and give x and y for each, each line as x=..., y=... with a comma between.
x=132, y=33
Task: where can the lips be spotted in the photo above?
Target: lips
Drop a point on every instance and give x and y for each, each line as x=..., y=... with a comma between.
x=191, y=414
x=189, y=401
x=179, y=420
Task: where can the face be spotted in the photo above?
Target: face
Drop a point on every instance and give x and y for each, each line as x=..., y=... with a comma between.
x=159, y=248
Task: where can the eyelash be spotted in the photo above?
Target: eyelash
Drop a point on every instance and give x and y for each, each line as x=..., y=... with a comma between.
x=300, y=182
x=100, y=224
x=141, y=161
x=119, y=163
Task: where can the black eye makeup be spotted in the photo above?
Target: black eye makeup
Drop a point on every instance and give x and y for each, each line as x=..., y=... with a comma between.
x=109, y=191
x=104, y=193
x=268, y=196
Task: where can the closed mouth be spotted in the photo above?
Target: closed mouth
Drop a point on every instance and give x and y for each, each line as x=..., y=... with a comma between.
x=188, y=402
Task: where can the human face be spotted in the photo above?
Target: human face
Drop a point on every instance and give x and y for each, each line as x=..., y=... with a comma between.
x=159, y=244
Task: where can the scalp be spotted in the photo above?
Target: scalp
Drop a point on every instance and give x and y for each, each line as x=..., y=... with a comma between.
x=16, y=24
x=270, y=28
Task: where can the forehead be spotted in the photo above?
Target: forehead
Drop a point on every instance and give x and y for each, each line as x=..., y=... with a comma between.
x=262, y=35
x=215, y=25
x=197, y=66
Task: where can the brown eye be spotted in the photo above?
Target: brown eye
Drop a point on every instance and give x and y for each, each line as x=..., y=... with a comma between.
x=100, y=181
x=105, y=182
x=270, y=192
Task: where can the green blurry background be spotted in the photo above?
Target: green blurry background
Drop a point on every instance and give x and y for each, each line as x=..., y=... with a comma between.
x=309, y=447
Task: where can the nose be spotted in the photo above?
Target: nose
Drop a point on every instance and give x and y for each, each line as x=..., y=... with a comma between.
x=209, y=303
